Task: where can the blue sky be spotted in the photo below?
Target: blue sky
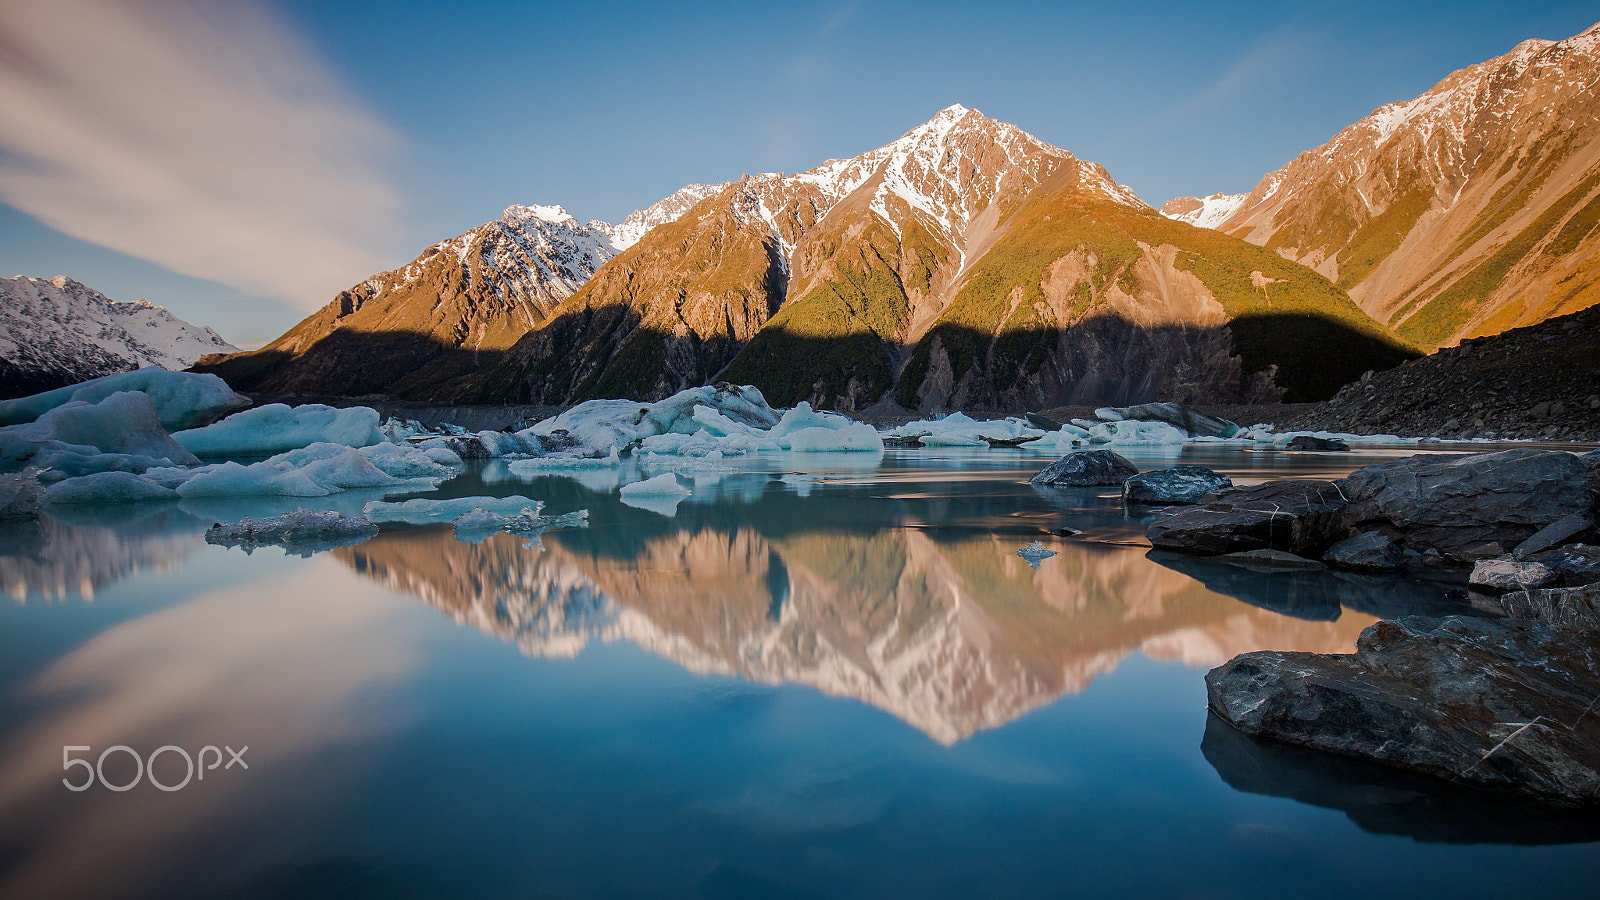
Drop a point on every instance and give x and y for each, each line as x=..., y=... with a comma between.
x=360, y=132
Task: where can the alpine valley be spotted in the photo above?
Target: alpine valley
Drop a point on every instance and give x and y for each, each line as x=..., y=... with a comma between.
x=970, y=265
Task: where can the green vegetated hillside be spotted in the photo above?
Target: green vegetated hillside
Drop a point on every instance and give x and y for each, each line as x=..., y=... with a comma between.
x=1002, y=331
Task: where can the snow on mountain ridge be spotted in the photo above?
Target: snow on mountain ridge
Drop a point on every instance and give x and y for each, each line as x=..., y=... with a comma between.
x=59, y=330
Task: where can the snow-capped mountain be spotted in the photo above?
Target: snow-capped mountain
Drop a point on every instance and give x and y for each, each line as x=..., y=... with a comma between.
x=1466, y=211
x=967, y=263
x=59, y=332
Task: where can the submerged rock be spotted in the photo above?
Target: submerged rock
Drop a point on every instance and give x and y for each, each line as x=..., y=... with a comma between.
x=1035, y=553
x=1301, y=517
x=1087, y=468
x=1502, y=703
x=1177, y=485
x=1467, y=507
x=1369, y=552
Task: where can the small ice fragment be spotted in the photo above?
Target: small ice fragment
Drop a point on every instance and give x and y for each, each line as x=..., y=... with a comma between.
x=1035, y=553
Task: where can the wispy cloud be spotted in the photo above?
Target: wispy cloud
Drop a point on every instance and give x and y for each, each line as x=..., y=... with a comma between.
x=202, y=136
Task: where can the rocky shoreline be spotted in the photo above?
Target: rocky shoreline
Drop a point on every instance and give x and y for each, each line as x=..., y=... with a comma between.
x=1540, y=382
x=1508, y=701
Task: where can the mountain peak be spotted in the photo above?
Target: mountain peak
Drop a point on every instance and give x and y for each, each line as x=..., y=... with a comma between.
x=555, y=215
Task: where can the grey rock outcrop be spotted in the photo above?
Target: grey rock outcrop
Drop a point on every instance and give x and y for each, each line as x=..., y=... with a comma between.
x=1556, y=533
x=1369, y=552
x=1177, y=485
x=1504, y=704
x=1466, y=507
x=1301, y=517
x=1086, y=468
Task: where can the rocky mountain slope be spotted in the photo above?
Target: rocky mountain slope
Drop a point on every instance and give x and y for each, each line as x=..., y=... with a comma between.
x=454, y=309
x=1464, y=212
x=966, y=264
x=59, y=332
x=1539, y=381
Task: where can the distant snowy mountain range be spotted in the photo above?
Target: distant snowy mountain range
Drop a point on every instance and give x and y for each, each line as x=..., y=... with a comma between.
x=59, y=332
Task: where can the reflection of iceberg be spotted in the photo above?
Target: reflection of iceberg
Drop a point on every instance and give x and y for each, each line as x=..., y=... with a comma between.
x=53, y=559
x=952, y=637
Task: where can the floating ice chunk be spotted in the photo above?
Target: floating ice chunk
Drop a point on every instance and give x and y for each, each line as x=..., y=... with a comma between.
x=1134, y=433
x=501, y=443
x=856, y=436
x=1036, y=553
x=409, y=462
x=803, y=416
x=719, y=425
x=314, y=471
x=1282, y=439
x=275, y=428
x=960, y=430
x=545, y=464
x=107, y=487
x=124, y=423
x=181, y=399
x=20, y=494
x=663, y=485
x=303, y=531
x=423, y=511
x=1069, y=438
x=475, y=525
x=231, y=479
x=598, y=425
x=444, y=456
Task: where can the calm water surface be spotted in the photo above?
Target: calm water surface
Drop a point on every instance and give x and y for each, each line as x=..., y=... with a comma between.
x=817, y=676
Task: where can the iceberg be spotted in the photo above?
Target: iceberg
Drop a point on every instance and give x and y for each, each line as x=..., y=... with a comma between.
x=314, y=471
x=303, y=531
x=182, y=399
x=855, y=436
x=409, y=462
x=123, y=426
x=107, y=487
x=423, y=511
x=276, y=427
x=546, y=464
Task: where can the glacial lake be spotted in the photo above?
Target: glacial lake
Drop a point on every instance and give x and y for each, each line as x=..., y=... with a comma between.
x=822, y=675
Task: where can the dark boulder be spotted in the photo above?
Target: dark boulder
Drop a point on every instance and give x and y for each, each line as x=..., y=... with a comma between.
x=1499, y=703
x=1553, y=535
x=1086, y=468
x=1369, y=552
x=1302, y=517
x=1466, y=507
x=1307, y=442
x=1179, y=484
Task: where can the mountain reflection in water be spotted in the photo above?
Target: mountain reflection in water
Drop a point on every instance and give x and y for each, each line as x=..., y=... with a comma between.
x=950, y=635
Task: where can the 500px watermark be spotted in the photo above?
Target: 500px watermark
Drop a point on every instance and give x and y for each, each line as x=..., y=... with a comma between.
x=146, y=766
